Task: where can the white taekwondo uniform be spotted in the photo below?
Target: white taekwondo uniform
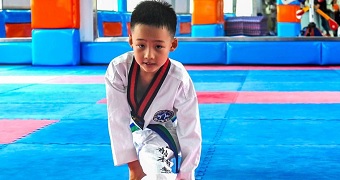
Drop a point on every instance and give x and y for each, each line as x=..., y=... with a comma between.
x=174, y=106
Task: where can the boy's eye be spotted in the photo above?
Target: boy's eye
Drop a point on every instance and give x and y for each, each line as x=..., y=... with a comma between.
x=159, y=47
x=140, y=46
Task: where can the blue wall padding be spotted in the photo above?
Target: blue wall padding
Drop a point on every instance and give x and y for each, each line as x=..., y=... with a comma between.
x=207, y=30
x=16, y=53
x=275, y=53
x=200, y=52
x=2, y=25
x=183, y=18
x=330, y=53
x=107, y=16
x=228, y=15
x=122, y=5
x=288, y=29
x=55, y=47
x=17, y=16
x=126, y=18
x=296, y=2
x=177, y=26
x=102, y=52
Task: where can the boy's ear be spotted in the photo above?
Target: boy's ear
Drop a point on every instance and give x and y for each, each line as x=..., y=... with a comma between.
x=130, y=40
x=174, y=44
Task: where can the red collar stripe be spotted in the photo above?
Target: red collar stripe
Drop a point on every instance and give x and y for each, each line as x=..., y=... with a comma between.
x=155, y=86
x=139, y=109
x=131, y=86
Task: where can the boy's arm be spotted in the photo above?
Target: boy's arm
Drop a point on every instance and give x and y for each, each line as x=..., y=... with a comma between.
x=188, y=131
x=123, y=150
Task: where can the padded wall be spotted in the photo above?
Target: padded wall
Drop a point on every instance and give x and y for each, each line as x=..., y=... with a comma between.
x=17, y=23
x=2, y=25
x=55, y=47
x=55, y=14
x=184, y=25
x=16, y=52
x=102, y=52
x=207, y=18
x=330, y=53
x=274, y=53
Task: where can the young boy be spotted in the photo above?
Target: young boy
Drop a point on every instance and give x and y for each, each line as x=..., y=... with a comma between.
x=152, y=104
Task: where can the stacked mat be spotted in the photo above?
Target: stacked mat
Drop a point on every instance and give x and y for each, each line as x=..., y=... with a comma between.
x=246, y=26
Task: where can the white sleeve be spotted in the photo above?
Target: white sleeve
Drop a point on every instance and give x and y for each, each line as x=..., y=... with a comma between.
x=188, y=129
x=119, y=117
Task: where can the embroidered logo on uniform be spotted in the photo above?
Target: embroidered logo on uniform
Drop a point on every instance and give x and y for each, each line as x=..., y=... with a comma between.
x=163, y=116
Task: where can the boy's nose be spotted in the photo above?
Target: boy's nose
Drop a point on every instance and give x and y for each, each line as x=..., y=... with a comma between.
x=149, y=54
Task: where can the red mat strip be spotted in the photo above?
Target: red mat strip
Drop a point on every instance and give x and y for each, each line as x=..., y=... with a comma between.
x=52, y=79
x=77, y=80
x=289, y=97
x=265, y=97
x=12, y=129
x=216, y=97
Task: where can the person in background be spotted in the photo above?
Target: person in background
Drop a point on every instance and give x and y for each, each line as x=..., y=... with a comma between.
x=322, y=5
x=271, y=13
x=335, y=9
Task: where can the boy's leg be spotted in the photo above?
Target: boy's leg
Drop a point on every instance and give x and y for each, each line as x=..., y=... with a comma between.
x=156, y=159
x=154, y=155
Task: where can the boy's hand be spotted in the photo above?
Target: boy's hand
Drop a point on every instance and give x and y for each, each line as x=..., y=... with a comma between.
x=136, y=170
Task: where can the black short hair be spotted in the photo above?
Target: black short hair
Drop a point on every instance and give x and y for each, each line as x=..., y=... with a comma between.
x=155, y=13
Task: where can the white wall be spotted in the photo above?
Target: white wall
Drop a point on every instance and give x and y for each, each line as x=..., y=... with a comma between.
x=15, y=4
x=244, y=7
x=182, y=6
x=131, y=4
x=228, y=6
x=86, y=21
x=106, y=5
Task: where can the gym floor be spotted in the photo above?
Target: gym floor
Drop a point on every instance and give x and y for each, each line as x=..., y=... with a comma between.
x=258, y=122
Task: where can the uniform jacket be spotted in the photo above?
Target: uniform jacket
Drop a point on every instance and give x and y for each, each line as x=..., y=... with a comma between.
x=175, y=98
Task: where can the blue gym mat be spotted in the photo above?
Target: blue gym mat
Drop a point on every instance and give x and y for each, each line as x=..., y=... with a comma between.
x=59, y=161
x=284, y=111
x=240, y=141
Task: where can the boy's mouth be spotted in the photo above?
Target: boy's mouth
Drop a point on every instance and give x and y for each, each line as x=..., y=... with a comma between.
x=148, y=63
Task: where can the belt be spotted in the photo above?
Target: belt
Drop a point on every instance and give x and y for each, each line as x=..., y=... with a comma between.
x=164, y=134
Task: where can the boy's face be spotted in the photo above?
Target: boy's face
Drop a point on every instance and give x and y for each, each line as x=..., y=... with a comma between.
x=151, y=46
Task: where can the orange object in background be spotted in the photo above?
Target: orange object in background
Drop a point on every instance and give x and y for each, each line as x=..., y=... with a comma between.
x=52, y=14
x=287, y=13
x=112, y=29
x=208, y=12
x=18, y=30
x=185, y=28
